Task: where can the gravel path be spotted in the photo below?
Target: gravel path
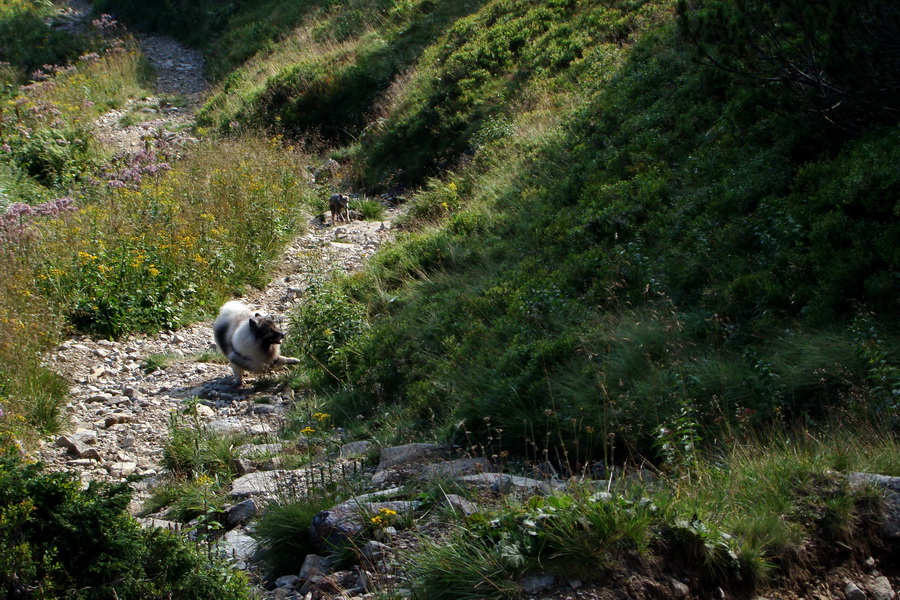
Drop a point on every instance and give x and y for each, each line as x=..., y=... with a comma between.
x=118, y=413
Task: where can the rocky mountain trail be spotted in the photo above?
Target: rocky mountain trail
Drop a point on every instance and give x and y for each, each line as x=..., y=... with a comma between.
x=125, y=394
x=124, y=391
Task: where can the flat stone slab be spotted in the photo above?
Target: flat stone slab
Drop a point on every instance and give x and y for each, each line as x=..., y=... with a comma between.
x=398, y=455
x=502, y=483
x=456, y=468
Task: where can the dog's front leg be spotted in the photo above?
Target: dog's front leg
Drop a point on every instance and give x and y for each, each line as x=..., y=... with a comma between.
x=286, y=360
x=238, y=374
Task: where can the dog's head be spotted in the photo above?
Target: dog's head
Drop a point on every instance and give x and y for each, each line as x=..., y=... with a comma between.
x=266, y=330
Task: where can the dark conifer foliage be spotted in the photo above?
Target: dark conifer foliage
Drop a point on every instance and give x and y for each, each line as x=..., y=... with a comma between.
x=837, y=59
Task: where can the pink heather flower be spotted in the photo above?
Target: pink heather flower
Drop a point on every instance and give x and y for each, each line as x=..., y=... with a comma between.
x=156, y=168
x=19, y=209
x=56, y=207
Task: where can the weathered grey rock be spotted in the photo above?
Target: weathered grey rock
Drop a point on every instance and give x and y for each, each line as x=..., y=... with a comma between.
x=399, y=462
x=265, y=409
x=891, y=486
x=545, y=470
x=240, y=513
x=852, y=592
x=535, y=584
x=507, y=484
x=286, y=581
x=269, y=483
x=456, y=468
x=258, y=450
x=78, y=445
x=398, y=455
x=333, y=527
x=880, y=588
x=121, y=469
x=237, y=546
x=374, y=552
x=355, y=448
x=227, y=425
x=679, y=589
x=255, y=484
x=332, y=584
x=285, y=593
x=458, y=504
x=259, y=429
x=160, y=524
x=313, y=566
x=243, y=466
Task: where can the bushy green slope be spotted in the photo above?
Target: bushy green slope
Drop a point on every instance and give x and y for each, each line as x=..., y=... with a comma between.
x=680, y=249
x=625, y=228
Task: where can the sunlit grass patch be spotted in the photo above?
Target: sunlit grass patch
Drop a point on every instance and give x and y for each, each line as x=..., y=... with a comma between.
x=737, y=517
x=155, y=255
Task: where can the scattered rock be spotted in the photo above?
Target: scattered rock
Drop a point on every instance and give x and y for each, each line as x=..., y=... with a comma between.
x=237, y=546
x=456, y=468
x=314, y=566
x=535, y=584
x=333, y=527
x=852, y=592
x=458, y=504
x=880, y=588
x=121, y=470
x=398, y=455
x=78, y=446
x=679, y=589
x=240, y=513
x=355, y=449
x=502, y=483
x=891, y=486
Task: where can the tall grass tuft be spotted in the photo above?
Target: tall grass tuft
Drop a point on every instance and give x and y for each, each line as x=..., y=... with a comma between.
x=462, y=566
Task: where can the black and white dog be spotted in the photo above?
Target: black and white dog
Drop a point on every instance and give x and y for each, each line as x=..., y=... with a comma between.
x=250, y=341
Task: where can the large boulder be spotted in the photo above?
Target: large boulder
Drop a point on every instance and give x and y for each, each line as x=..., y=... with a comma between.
x=334, y=527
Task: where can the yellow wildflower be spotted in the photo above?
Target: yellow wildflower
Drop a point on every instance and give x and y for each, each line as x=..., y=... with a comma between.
x=307, y=430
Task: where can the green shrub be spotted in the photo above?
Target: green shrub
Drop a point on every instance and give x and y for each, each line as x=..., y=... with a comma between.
x=62, y=541
x=29, y=41
x=326, y=325
x=369, y=210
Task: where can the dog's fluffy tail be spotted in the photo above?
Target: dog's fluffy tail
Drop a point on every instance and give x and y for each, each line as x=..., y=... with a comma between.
x=230, y=315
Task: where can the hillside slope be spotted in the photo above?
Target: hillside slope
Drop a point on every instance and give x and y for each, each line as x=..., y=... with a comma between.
x=620, y=214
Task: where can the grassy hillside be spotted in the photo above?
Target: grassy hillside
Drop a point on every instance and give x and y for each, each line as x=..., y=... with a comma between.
x=623, y=217
x=639, y=233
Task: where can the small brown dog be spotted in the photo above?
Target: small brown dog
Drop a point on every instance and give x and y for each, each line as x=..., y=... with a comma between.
x=339, y=204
